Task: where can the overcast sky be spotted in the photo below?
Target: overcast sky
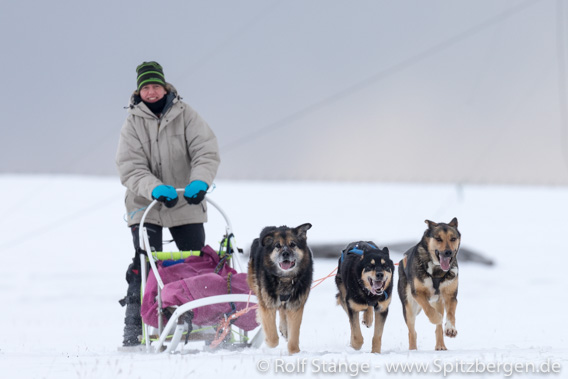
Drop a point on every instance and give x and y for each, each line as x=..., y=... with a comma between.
x=424, y=90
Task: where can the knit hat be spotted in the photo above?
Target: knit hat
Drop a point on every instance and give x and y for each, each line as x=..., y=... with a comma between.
x=150, y=72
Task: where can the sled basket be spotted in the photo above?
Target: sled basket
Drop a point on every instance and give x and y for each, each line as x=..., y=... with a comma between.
x=193, y=293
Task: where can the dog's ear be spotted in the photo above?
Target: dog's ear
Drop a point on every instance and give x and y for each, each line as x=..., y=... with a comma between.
x=267, y=240
x=385, y=250
x=454, y=223
x=267, y=236
x=431, y=224
x=302, y=230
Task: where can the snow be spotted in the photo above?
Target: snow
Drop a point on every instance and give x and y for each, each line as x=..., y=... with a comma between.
x=65, y=248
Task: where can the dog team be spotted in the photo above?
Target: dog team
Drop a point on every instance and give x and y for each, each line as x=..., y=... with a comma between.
x=280, y=274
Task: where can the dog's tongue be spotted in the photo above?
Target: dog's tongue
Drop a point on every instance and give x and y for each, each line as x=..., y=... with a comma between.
x=445, y=263
x=377, y=287
x=286, y=265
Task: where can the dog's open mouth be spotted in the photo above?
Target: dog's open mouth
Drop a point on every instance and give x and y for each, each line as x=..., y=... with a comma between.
x=377, y=287
x=287, y=265
x=445, y=262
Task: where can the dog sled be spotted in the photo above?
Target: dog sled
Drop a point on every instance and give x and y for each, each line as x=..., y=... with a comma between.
x=196, y=296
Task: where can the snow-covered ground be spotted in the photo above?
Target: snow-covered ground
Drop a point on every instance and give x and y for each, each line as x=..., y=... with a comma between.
x=65, y=247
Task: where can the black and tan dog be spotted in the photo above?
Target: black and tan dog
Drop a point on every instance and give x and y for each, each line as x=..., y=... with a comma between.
x=428, y=280
x=280, y=273
x=364, y=280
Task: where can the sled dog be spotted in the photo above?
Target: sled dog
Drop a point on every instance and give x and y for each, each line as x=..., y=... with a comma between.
x=365, y=281
x=280, y=272
x=428, y=280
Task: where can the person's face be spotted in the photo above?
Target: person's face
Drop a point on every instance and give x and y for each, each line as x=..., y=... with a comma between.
x=152, y=92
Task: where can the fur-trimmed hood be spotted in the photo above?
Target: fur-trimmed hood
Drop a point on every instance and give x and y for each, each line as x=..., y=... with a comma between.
x=135, y=98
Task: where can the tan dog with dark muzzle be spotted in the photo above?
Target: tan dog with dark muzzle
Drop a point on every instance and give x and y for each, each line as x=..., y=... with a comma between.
x=280, y=273
x=428, y=280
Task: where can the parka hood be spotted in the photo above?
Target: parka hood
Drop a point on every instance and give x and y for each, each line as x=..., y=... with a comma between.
x=135, y=98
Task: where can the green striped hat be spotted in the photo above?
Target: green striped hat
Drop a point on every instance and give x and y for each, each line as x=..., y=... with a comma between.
x=150, y=72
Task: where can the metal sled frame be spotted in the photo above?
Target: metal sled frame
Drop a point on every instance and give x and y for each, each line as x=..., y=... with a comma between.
x=176, y=327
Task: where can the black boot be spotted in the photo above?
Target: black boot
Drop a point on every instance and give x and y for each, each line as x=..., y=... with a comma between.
x=132, y=320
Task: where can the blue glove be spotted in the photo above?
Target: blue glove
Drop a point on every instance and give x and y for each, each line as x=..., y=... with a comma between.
x=165, y=194
x=195, y=192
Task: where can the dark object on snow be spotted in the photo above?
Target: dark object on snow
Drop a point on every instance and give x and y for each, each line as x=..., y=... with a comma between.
x=333, y=250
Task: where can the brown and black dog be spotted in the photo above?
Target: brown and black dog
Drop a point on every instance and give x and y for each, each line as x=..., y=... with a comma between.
x=280, y=272
x=364, y=280
x=428, y=280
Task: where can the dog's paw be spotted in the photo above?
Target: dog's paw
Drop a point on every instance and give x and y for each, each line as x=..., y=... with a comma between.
x=376, y=346
x=441, y=347
x=283, y=330
x=293, y=351
x=451, y=330
x=293, y=348
x=367, y=319
x=271, y=342
x=356, y=342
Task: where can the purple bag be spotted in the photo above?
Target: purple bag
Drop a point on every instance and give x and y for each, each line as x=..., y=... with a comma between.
x=193, y=279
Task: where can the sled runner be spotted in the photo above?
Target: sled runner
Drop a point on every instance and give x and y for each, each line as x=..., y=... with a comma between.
x=198, y=295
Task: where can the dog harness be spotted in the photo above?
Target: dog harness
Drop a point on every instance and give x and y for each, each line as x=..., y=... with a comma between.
x=356, y=250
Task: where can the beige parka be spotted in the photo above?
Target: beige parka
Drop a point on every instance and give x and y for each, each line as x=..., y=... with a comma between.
x=175, y=149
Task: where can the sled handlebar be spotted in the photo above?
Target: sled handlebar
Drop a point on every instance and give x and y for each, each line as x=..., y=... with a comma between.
x=144, y=242
x=213, y=203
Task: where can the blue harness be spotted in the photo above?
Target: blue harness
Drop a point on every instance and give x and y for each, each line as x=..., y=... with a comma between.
x=356, y=250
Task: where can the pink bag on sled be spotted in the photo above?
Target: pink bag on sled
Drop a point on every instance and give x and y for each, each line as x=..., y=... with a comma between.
x=193, y=279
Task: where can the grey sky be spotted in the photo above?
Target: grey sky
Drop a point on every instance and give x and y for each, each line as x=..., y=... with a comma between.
x=450, y=91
